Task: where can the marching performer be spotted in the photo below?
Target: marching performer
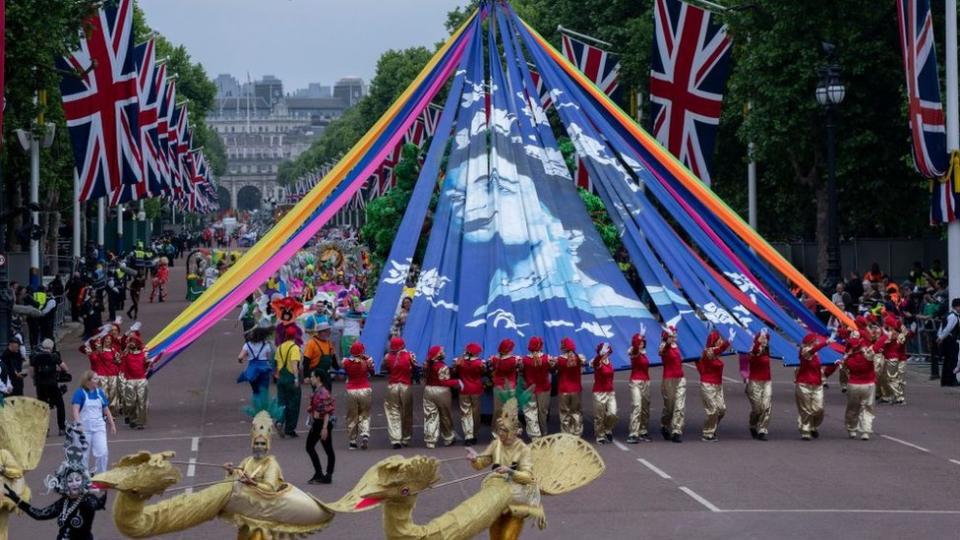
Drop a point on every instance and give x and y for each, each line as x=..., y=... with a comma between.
x=710, y=367
x=358, y=367
x=895, y=359
x=639, y=388
x=134, y=369
x=503, y=367
x=673, y=387
x=861, y=387
x=569, y=366
x=437, y=420
x=399, y=364
x=288, y=359
x=604, y=396
x=159, y=282
x=536, y=373
x=759, y=388
x=809, y=391
x=469, y=368
x=110, y=360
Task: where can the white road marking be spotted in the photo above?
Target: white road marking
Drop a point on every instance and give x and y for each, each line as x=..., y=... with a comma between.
x=955, y=462
x=192, y=467
x=905, y=443
x=195, y=444
x=621, y=446
x=693, y=494
x=837, y=511
x=655, y=469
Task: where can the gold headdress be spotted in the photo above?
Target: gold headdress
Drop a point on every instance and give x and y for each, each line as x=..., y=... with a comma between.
x=513, y=400
x=265, y=412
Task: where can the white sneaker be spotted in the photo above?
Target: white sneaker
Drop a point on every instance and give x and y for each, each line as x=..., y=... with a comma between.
x=853, y=434
x=865, y=437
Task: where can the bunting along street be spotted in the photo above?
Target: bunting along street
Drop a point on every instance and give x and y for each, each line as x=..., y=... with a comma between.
x=904, y=482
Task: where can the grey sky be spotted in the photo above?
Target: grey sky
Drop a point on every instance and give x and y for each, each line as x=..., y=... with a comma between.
x=299, y=41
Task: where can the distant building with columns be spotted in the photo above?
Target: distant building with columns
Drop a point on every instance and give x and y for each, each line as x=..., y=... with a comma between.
x=261, y=127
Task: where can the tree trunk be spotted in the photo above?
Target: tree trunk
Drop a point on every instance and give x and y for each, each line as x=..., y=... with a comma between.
x=823, y=231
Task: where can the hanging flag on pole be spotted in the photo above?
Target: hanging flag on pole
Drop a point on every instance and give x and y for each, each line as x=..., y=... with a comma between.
x=925, y=111
x=100, y=103
x=689, y=67
x=600, y=66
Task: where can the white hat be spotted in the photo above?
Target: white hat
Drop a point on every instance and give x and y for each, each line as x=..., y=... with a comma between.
x=47, y=344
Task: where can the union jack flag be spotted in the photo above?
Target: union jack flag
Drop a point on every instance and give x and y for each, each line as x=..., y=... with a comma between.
x=423, y=129
x=100, y=103
x=168, y=102
x=601, y=67
x=927, y=123
x=546, y=101
x=151, y=83
x=691, y=58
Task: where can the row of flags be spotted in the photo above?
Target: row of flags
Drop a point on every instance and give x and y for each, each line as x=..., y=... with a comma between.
x=384, y=179
x=131, y=138
x=689, y=68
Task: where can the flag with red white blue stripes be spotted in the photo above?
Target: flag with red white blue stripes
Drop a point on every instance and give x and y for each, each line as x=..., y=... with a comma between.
x=689, y=67
x=100, y=103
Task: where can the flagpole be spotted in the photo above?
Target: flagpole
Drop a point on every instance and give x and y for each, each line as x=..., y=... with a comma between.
x=119, y=229
x=101, y=220
x=953, y=142
x=752, y=187
x=569, y=32
x=76, y=215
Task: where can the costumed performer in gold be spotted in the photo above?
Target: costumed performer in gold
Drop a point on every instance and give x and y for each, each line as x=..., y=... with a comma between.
x=511, y=458
x=23, y=430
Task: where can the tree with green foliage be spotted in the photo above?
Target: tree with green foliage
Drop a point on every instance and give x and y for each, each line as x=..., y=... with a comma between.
x=384, y=213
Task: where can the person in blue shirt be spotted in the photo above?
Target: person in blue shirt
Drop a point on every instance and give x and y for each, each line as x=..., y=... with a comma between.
x=91, y=409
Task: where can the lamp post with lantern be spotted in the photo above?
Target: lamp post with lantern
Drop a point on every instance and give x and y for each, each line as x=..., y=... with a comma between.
x=830, y=93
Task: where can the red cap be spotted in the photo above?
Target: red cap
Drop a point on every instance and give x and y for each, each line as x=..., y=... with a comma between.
x=396, y=343
x=137, y=342
x=474, y=349
x=891, y=321
x=638, y=340
x=872, y=319
x=713, y=338
x=861, y=322
x=434, y=352
x=668, y=331
x=810, y=339
x=568, y=345
x=290, y=332
x=506, y=346
x=357, y=349
x=535, y=344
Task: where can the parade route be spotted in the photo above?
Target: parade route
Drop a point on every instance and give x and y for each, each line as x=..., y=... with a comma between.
x=904, y=482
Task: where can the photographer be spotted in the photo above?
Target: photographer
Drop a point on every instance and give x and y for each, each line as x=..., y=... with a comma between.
x=48, y=370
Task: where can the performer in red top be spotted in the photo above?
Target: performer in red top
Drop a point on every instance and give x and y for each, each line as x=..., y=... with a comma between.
x=895, y=360
x=759, y=388
x=710, y=367
x=437, y=420
x=673, y=387
x=504, y=367
x=399, y=363
x=134, y=367
x=569, y=368
x=536, y=373
x=159, y=281
x=112, y=380
x=469, y=368
x=809, y=382
x=861, y=388
x=639, y=387
x=358, y=367
x=604, y=396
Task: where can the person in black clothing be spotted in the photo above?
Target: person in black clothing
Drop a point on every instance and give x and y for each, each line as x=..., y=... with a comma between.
x=78, y=504
x=948, y=338
x=56, y=286
x=92, y=312
x=854, y=287
x=321, y=430
x=74, y=287
x=45, y=366
x=12, y=360
x=137, y=284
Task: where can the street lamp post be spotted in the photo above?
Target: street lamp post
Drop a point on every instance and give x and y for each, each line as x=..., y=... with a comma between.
x=830, y=93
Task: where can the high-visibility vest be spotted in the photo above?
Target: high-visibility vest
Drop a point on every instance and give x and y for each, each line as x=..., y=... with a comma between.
x=40, y=297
